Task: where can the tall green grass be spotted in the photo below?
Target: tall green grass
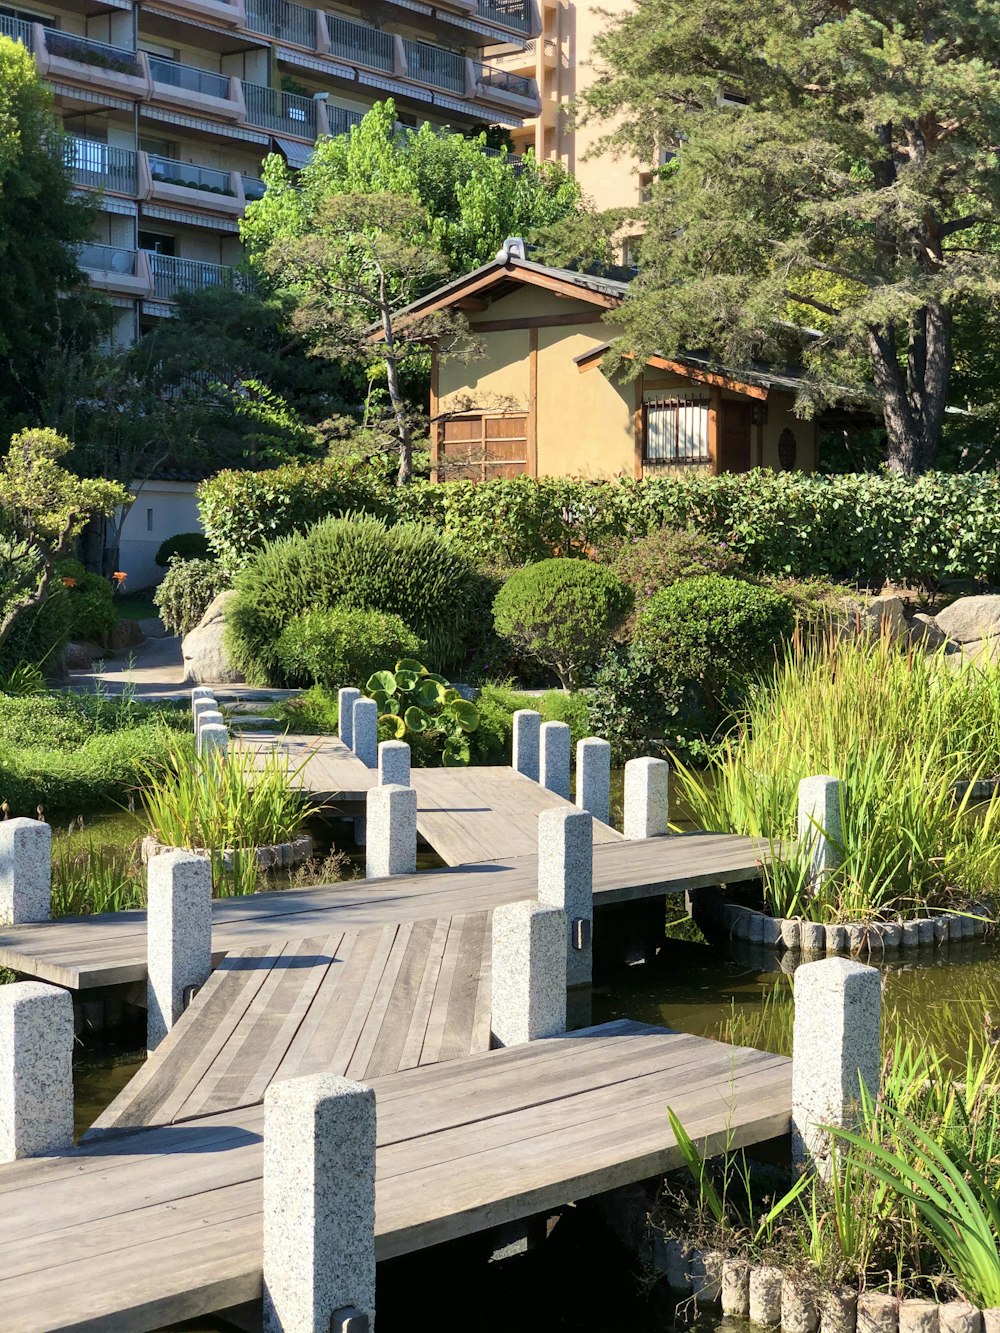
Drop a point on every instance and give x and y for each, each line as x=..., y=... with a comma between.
x=900, y=730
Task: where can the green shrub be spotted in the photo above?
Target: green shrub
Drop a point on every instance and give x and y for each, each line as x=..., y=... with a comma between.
x=43, y=720
x=421, y=708
x=715, y=630
x=183, y=546
x=90, y=605
x=642, y=711
x=187, y=590
x=408, y=570
x=342, y=646
x=667, y=555
x=561, y=613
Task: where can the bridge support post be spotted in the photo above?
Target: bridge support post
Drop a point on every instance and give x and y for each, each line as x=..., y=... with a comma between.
x=527, y=724
x=25, y=871
x=566, y=881
x=835, y=1049
x=593, y=777
x=647, y=798
x=529, y=973
x=553, y=764
x=205, y=703
x=319, y=1206
x=393, y=764
x=365, y=725
x=178, y=936
x=36, y=1070
x=820, y=824
x=391, y=844
x=345, y=715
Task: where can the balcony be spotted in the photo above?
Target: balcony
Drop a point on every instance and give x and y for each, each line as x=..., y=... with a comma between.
x=101, y=166
x=203, y=91
x=172, y=274
x=340, y=120
x=285, y=21
x=360, y=44
x=253, y=188
x=174, y=182
x=231, y=13
x=505, y=86
x=282, y=113
x=65, y=56
x=516, y=14
x=18, y=30
x=112, y=268
x=434, y=65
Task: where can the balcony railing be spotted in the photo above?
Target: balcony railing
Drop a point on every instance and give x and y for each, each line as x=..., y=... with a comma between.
x=513, y=160
x=171, y=172
x=67, y=46
x=172, y=275
x=101, y=166
x=106, y=258
x=189, y=77
x=360, y=43
x=341, y=120
x=503, y=81
x=253, y=188
x=509, y=13
x=18, y=30
x=433, y=65
x=284, y=20
x=284, y=113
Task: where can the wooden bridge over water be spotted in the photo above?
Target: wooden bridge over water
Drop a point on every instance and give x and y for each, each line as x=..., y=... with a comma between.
x=156, y=1216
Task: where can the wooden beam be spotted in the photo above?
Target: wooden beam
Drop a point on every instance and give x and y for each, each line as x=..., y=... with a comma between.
x=591, y=360
x=638, y=429
x=435, y=440
x=570, y=317
x=714, y=427
x=532, y=423
x=472, y=303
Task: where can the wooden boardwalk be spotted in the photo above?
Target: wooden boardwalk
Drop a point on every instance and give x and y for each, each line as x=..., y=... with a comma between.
x=360, y=1004
x=465, y=814
x=137, y=1231
x=82, y=952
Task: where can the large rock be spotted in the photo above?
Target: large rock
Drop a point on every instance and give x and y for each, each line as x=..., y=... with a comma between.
x=927, y=633
x=81, y=654
x=884, y=615
x=971, y=618
x=123, y=634
x=205, y=661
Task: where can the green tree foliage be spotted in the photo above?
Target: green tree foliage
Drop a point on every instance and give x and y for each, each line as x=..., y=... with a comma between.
x=562, y=613
x=856, y=185
x=475, y=199
x=342, y=646
x=40, y=222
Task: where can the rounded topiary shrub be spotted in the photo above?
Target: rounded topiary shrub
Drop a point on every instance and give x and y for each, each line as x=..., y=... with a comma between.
x=183, y=546
x=666, y=555
x=342, y=646
x=715, y=630
x=187, y=590
x=561, y=613
x=409, y=570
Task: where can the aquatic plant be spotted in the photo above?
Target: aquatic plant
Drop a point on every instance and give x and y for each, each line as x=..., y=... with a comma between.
x=419, y=707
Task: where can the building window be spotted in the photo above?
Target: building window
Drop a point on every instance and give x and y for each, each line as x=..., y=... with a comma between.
x=149, y=520
x=676, y=430
x=482, y=447
x=787, y=450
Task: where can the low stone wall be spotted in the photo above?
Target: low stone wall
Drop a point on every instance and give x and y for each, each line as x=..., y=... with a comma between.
x=859, y=939
x=291, y=853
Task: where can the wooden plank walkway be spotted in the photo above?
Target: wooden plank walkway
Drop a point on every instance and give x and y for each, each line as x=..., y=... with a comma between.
x=356, y=1003
x=141, y=1230
x=82, y=952
x=465, y=814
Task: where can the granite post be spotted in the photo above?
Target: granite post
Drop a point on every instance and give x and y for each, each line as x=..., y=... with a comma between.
x=365, y=731
x=319, y=1206
x=25, y=871
x=527, y=724
x=36, y=1070
x=820, y=824
x=345, y=715
x=835, y=1049
x=529, y=973
x=213, y=740
x=566, y=881
x=391, y=842
x=647, y=798
x=593, y=777
x=553, y=758
x=178, y=936
x=199, y=707
x=394, y=764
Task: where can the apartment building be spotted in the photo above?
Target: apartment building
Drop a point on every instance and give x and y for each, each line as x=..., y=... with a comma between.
x=171, y=106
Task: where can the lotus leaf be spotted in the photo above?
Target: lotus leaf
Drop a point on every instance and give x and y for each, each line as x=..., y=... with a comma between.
x=405, y=680
x=381, y=680
x=417, y=720
x=427, y=693
x=397, y=723
x=467, y=714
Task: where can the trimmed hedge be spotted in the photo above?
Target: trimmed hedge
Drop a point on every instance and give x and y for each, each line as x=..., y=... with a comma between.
x=858, y=526
x=342, y=646
x=187, y=590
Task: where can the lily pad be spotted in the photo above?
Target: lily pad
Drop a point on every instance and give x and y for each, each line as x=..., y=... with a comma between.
x=427, y=693
x=396, y=724
x=405, y=680
x=466, y=713
x=381, y=680
x=416, y=719
x=410, y=664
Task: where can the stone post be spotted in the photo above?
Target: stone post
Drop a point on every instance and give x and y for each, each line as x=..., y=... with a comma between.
x=345, y=715
x=25, y=871
x=593, y=777
x=178, y=936
x=821, y=825
x=529, y=973
x=200, y=708
x=391, y=846
x=527, y=724
x=566, y=881
x=213, y=739
x=201, y=692
x=647, y=798
x=394, y=763
x=365, y=731
x=553, y=758
x=36, y=1070
x=835, y=1048
x=319, y=1206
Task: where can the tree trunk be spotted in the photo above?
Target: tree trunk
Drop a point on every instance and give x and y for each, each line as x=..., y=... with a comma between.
x=913, y=402
x=403, y=436
x=34, y=598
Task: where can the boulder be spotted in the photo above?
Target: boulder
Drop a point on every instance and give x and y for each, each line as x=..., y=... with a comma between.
x=971, y=618
x=926, y=632
x=884, y=615
x=985, y=651
x=123, y=634
x=80, y=655
x=203, y=650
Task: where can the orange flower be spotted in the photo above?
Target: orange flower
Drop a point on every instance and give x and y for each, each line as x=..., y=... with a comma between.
x=69, y=583
x=119, y=576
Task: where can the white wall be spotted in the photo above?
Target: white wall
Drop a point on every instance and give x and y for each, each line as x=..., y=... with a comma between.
x=161, y=510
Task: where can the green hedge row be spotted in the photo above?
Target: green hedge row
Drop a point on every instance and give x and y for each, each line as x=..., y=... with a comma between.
x=867, y=526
